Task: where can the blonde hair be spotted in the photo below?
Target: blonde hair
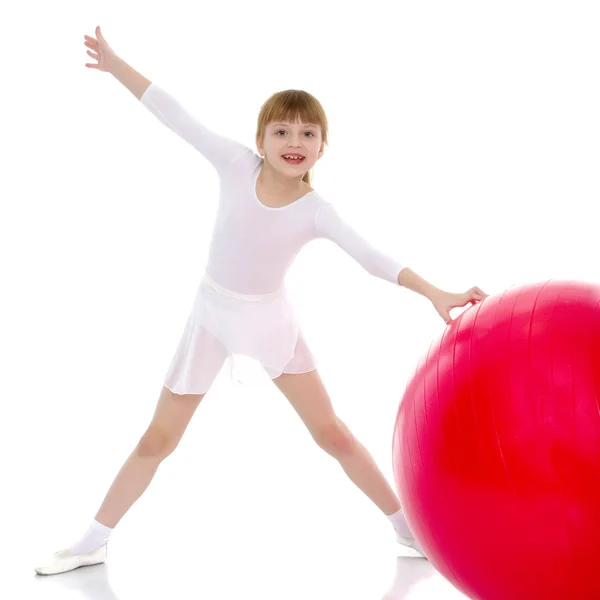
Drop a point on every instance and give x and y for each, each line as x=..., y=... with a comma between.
x=291, y=106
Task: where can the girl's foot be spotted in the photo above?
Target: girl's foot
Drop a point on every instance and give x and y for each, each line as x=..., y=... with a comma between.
x=65, y=560
x=410, y=542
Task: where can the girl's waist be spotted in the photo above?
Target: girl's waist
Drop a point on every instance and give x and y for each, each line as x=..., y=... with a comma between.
x=222, y=291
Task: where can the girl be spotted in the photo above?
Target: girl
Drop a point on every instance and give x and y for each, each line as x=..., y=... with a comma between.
x=267, y=212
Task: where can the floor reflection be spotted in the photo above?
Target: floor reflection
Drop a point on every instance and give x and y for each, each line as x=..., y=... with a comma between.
x=409, y=571
x=92, y=582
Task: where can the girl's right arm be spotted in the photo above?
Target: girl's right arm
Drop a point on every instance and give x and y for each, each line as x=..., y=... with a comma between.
x=221, y=151
x=135, y=82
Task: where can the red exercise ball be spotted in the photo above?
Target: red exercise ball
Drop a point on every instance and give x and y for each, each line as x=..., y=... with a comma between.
x=496, y=447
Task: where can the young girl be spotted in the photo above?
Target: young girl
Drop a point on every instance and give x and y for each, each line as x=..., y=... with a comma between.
x=267, y=212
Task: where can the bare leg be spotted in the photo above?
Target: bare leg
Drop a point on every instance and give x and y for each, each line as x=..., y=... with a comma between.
x=171, y=418
x=310, y=399
x=169, y=422
x=362, y=470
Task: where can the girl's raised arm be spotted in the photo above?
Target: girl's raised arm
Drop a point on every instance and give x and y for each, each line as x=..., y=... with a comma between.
x=220, y=150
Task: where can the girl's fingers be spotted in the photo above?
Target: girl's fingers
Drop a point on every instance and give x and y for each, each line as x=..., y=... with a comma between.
x=478, y=292
x=92, y=66
x=93, y=46
x=94, y=55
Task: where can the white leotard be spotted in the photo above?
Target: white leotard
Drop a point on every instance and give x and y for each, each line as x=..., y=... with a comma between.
x=253, y=245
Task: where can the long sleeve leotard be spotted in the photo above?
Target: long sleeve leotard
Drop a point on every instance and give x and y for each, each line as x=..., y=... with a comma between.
x=253, y=245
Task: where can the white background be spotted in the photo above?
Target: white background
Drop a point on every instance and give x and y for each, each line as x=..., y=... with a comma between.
x=463, y=141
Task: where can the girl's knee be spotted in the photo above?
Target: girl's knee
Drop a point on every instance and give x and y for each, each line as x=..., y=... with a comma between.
x=156, y=442
x=334, y=438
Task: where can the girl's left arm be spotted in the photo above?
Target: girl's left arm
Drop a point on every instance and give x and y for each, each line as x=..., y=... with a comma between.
x=329, y=224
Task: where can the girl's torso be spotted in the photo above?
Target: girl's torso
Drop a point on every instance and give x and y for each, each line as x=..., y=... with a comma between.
x=255, y=240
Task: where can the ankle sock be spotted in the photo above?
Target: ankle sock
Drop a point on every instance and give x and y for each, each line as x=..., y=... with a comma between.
x=97, y=535
x=398, y=520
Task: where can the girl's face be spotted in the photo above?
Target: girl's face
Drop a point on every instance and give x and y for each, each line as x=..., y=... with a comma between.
x=285, y=139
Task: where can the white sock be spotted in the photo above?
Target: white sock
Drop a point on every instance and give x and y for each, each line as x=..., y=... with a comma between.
x=398, y=520
x=97, y=535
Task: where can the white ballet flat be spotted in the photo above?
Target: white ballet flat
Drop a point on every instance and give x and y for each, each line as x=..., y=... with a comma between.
x=410, y=542
x=65, y=560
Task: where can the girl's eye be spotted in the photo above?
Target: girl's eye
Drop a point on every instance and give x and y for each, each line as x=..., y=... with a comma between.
x=309, y=132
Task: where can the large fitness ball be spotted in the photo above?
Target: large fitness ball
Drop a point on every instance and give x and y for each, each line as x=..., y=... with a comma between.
x=496, y=448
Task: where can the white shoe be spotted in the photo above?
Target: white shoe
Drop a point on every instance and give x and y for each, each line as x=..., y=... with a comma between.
x=65, y=560
x=410, y=542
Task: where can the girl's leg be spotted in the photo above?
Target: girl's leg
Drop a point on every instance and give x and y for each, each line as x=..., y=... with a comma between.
x=171, y=418
x=168, y=424
x=310, y=400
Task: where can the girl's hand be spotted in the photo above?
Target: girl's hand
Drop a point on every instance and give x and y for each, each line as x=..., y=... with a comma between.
x=102, y=52
x=444, y=302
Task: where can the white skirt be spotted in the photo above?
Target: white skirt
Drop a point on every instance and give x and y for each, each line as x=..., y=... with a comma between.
x=223, y=324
